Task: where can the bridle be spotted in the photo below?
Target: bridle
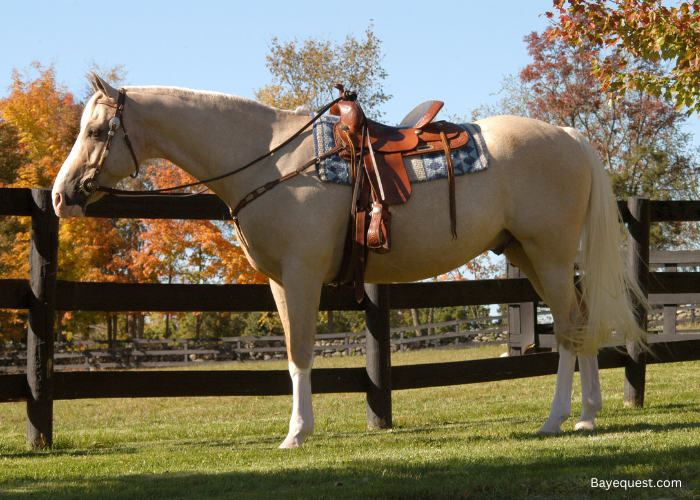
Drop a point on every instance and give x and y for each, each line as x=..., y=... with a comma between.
x=90, y=186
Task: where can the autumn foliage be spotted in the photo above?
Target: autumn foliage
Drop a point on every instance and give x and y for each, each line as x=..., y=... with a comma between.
x=617, y=33
x=39, y=121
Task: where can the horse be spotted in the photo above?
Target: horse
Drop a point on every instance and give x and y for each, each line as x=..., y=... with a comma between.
x=544, y=198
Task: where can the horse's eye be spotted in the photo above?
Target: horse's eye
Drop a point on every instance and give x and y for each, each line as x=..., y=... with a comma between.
x=93, y=132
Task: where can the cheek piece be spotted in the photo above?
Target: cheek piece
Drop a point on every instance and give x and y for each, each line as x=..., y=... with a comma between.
x=90, y=185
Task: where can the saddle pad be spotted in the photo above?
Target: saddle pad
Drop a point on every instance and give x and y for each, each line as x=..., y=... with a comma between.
x=471, y=158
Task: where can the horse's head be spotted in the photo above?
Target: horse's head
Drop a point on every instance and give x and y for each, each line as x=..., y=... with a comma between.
x=100, y=155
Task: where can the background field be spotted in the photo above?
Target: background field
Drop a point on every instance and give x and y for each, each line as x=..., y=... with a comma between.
x=467, y=442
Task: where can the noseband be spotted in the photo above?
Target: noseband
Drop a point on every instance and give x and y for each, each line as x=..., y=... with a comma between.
x=90, y=185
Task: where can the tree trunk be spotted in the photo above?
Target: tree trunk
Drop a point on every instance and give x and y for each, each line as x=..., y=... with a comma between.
x=198, y=324
x=109, y=331
x=59, y=326
x=330, y=322
x=167, y=326
x=141, y=325
x=416, y=322
x=115, y=329
x=431, y=317
x=131, y=320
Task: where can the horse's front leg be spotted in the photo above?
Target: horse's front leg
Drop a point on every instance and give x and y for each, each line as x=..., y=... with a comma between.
x=591, y=398
x=297, y=301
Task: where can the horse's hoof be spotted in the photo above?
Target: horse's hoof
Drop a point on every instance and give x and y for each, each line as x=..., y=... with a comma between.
x=289, y=444
x=294, y=439
x=584, y=425
x=549, y=429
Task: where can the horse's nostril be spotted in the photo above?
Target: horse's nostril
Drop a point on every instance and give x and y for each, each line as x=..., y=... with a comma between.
x=57, y=200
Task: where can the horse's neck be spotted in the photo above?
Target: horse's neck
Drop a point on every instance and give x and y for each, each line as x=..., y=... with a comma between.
x=210, y=134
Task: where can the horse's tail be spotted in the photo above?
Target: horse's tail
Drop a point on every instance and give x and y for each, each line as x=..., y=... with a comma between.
x=608, y=287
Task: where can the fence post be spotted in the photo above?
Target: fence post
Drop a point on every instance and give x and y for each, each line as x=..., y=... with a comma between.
x=670, y=310
x=43, y=257
x=378, y=356
x=638, y=254
x=522, y=319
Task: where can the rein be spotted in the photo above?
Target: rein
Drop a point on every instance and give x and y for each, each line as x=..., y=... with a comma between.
x=91, y=186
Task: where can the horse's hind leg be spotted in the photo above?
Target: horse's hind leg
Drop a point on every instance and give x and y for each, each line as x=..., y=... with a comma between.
x=560, y=297
x=561, y=405
x=591, y=398
x=552, y=264
x=297, y=303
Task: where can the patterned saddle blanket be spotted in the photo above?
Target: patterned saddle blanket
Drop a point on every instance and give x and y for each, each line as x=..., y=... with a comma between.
x=471, y=158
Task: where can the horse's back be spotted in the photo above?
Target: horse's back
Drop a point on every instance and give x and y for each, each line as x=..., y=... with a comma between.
x=543, y=172
x=536, y=186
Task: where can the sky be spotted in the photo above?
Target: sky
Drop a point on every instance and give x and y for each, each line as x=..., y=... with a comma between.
x=454, y=51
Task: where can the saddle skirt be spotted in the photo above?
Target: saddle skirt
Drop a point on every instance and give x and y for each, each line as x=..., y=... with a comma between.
x=473, y=157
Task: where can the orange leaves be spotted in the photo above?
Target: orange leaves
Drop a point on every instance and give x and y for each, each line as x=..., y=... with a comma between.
x=190, y=251
x=39, y=121
x=46, y=118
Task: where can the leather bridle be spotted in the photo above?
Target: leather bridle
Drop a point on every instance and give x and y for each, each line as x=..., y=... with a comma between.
x=89, y=186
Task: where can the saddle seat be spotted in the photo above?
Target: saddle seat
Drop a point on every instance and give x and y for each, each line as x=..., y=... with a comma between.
x=416, y=135
x=376, y=154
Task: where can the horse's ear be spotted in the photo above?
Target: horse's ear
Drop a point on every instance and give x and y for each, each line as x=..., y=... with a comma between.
x=91, y=79
x=105, y=87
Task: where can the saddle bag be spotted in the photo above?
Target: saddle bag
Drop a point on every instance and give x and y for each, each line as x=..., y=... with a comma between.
x=378, y=238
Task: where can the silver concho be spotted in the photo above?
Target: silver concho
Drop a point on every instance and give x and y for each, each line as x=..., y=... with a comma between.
x=88, y=187
x=114, y=123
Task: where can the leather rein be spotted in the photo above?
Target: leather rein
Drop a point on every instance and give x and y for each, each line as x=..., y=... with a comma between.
x=90, y=185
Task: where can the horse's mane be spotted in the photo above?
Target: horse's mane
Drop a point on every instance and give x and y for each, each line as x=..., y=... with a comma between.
x=203, y=96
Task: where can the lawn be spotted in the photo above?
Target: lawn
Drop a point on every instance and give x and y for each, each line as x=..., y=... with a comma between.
x=463, y=442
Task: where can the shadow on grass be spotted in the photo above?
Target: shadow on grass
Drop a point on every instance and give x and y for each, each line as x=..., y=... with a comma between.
x=467, y=479
x=57, y=452
x=608, y=429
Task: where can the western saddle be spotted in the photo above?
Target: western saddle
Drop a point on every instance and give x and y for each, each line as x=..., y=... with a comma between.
x=376, y=154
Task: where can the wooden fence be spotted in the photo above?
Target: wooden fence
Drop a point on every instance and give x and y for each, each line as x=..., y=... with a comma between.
x=526, y=334
x=161, y=353
x=43, y=294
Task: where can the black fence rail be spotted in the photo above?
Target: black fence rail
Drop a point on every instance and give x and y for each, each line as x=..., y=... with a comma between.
x=43, y=294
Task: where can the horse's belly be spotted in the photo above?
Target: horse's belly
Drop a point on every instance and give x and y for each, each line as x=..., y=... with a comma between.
x=422, y=245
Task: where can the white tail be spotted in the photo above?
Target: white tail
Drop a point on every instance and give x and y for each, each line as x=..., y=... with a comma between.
x=607, y=285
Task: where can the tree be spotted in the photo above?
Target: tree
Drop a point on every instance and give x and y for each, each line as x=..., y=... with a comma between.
x=39, y=121
x=638, y=136
x=187, y=251
x=12, y=157
x=618, y=33
x=303, y=73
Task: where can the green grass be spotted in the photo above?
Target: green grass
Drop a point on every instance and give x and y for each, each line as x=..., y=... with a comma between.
x=464, y=442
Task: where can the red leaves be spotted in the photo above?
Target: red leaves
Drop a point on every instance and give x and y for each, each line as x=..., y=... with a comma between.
x=644, y=29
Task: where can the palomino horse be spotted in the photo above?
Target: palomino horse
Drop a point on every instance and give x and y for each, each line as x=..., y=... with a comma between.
x=544, y=197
